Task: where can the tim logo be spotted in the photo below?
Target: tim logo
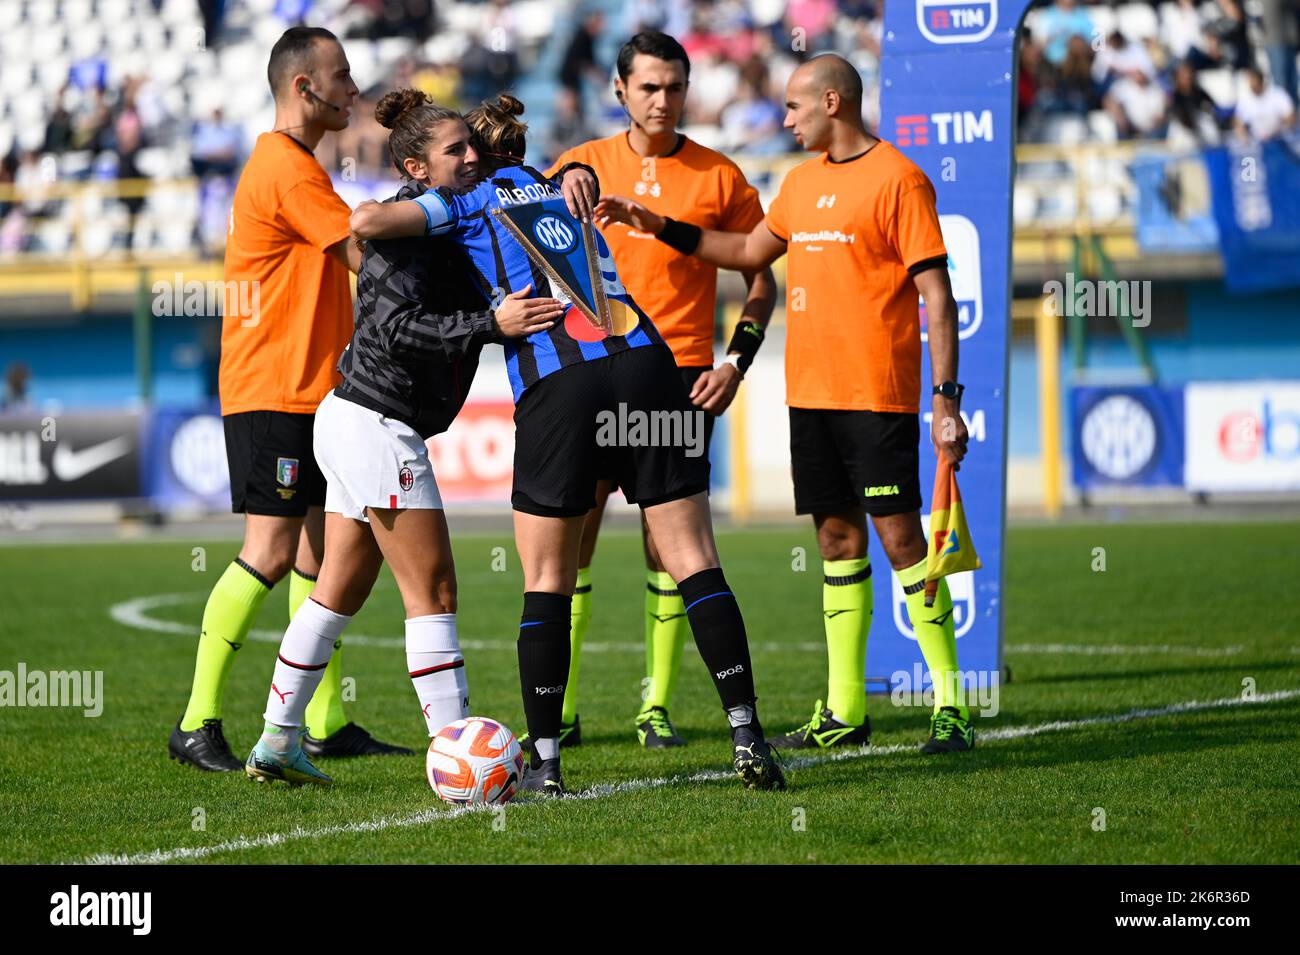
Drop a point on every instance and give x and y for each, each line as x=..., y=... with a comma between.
x=943, y=129
x=826, y=202
x=946, y=21
x=554, y=233
x=961, y=586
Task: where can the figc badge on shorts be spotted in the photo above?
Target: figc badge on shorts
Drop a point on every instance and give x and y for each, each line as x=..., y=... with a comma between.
x=286, y=471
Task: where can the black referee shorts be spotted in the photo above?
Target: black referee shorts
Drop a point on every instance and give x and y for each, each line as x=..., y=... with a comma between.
x=626, y=418
x=272, y=465
x=846, y=459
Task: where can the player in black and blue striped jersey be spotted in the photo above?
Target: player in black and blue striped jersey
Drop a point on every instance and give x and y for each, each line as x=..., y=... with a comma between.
x=590, y=403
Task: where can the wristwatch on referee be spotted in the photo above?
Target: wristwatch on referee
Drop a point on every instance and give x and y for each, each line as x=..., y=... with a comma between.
x=949, y=389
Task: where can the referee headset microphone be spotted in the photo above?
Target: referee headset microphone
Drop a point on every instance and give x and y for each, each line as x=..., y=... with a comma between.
x=618, y=94
x=304, y=88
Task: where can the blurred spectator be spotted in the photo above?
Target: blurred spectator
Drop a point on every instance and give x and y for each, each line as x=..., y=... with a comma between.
x=667, y=16
x=1182, y=30
x=1193, y=114
x=568, y=129
x=1263, y=110
x=1061, y=21
x=33, y=177
x=1229, y=32
x=580, y=56
x=216, y=147
x=1281, y=22
x=814, y=18
x=1071, y=88
x=58, y=131
x=1118, y=58
x=752, y=122
x=8, y=166
x=1137, y=104
x=16, y=399
x=715, y=82
x=214, y=15
x=92, y=123
x=1032, y=69
x=404, y=18
x=127, y=134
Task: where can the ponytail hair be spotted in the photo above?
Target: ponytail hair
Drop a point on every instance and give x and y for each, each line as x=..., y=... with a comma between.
x=498, y=134
x=412, y=116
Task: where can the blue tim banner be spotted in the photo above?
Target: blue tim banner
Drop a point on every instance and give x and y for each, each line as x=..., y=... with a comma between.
x=948, y=101
x=1256, y=190
x=1127, y=436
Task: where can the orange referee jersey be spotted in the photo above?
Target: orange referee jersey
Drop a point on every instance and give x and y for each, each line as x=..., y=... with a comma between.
x=852, y=229
x=285, y=215
x=692, y=184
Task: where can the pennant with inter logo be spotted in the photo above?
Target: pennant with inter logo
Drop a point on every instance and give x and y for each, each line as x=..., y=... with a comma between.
x=566, y=250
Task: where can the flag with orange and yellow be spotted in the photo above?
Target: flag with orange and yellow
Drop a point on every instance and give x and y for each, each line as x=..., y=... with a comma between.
x=950, y=549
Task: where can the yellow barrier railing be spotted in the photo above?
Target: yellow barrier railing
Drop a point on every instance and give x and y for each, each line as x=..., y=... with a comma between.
x=75, y=272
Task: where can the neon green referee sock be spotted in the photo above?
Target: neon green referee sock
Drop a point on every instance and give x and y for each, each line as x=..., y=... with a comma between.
x=232, y=606
x=936, y=635
x=579, y=621
x=325, y=715
x=665, y=636
x=846, y=614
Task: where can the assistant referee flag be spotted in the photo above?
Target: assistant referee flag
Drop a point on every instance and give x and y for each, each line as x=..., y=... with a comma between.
x=950, y=550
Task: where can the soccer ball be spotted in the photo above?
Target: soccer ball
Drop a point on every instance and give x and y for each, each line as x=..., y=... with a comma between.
x=474, y=761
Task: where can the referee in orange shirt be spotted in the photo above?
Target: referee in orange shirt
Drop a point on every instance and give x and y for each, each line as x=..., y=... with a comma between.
x=861, y=229
x=674, y=176
x=287, y=252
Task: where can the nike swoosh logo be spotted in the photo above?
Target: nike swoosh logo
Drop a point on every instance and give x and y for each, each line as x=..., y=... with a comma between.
x=831, y=614
x=940, y=620
x=667, y=617
x=69, y=465
x=233, y=646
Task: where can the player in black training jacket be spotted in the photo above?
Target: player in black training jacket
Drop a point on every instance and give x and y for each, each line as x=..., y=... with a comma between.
x=421, y=323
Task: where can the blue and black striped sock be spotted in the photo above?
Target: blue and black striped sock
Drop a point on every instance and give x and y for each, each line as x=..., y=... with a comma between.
x=719, y=633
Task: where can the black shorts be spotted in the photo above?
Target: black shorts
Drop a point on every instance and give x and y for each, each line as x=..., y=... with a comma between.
x=625, y=418
x=272, y=466
x=689, y=376
x=846, y=459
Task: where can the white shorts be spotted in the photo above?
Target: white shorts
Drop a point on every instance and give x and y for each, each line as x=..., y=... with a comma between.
x=370, y=460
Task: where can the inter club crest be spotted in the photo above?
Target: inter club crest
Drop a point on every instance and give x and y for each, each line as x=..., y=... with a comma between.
x=576, y=259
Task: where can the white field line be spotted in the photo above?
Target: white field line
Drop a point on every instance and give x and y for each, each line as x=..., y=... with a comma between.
x=136, y=614
x=606, y=790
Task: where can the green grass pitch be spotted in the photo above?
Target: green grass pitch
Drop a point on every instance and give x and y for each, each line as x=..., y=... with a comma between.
x=1182, y=613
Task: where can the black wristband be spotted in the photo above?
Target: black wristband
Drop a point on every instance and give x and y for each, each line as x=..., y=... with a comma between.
x=744, y=342
x=682, y=236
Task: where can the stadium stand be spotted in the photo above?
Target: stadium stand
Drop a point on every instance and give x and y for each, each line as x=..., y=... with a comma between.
x=153, y=105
